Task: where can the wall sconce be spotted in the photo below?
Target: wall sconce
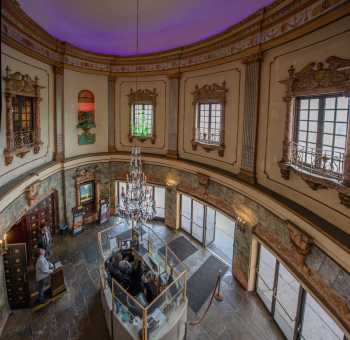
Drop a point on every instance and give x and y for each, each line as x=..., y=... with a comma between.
x=170, y=184
x=241, y=223
x=3, y=245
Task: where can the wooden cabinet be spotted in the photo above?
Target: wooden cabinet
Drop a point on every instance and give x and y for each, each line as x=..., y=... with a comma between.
x=15, y=266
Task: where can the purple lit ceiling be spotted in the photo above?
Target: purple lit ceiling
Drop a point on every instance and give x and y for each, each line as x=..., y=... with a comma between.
x=109, y=26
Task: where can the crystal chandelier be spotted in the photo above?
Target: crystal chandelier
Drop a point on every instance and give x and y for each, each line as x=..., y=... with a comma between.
x=137, y=198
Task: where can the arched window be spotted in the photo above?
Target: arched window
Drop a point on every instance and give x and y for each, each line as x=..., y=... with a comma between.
x=86, y=116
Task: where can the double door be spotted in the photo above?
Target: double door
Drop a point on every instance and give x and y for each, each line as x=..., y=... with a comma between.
x=198, y=220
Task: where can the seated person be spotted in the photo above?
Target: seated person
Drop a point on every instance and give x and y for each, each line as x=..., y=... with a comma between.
x=150, y=286
x=125, y=266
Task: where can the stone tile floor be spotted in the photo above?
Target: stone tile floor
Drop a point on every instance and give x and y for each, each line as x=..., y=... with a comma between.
x=78, y=313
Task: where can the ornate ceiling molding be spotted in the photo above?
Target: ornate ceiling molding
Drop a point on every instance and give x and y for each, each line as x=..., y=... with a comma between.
x=257, y=31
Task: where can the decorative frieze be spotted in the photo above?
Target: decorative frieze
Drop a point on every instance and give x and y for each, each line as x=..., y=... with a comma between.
x=278, y=20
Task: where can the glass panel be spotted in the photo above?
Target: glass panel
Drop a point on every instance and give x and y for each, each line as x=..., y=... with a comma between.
x=303, y=126
x=314, y=104
x=342, y=102
x=313, y=126
x=330, y=103
x=312, y=137
x=266, y=275
x=328, y=127
x=317, y=324
x=286, y=301
x=198, y=213
x=329, y=115
x=304, y=104
x=302, y=136
x=159, y=197
x=197, y=232
x=339, y=141
x=186, y=223
x=328, y=139
x=313, y=115
x=340, y=129
x=210, y=226
x=342, y=116
x=303, y=115
x=186, y=206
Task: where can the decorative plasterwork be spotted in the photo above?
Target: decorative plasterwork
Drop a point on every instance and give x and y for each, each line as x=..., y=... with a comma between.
x=31, y=193
x=301, y=241
x=209, y=94
x=273, y=22
x=142, y=96
x=294, y=258
x=17, y=84
x=316, y=79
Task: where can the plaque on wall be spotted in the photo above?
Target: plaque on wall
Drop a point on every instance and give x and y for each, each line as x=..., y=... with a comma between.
x=78, y=220
x=104, y=211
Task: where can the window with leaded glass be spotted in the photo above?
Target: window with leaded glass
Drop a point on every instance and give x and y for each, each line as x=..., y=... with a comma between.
x=23, y=120
x=142, y=120
x=208, y=123
x=321, y=130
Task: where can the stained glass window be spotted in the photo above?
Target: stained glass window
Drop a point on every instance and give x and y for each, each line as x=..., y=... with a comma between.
x=142, y=120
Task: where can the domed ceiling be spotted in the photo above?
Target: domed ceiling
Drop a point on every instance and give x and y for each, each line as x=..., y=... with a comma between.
x=109, y=26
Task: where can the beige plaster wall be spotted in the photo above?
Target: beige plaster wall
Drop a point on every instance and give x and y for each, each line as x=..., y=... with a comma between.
x=332, y=40
x=233, y=75
x=34, y=68
x=74, y=82
x=123, y=86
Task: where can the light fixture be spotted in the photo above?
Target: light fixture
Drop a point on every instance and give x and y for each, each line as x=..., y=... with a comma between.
x=3, y=245
x=138, y=205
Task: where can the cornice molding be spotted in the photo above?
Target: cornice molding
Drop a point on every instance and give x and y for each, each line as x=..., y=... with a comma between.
x=257, y=31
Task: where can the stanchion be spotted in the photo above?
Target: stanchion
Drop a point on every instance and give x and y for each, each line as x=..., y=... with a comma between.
x=218, y=296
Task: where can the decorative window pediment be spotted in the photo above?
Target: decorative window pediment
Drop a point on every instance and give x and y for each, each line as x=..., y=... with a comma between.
x=142, y=107
x=316, y=143
x=23, y=133
x=209, y=117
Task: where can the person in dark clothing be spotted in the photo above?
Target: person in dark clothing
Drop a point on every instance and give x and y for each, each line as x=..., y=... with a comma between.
x=150, y=286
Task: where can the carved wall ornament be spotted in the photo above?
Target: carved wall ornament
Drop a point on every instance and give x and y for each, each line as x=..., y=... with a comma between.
x=331, y=77
x=22, y=96
x=301, y=241
x=142, y=96
x=215, y=94
x=31, y=193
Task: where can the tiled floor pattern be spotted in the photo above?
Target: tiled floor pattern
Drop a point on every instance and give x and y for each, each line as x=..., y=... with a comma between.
x=78, y=313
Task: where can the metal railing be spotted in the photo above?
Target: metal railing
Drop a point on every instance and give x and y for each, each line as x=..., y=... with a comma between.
x=325, y=163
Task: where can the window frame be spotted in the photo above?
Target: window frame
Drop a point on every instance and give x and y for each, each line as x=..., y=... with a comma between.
x=302, y=294
x=209, y=94
x=319, y=143
x=133, y=117
x=142, y=97
x=199, y=113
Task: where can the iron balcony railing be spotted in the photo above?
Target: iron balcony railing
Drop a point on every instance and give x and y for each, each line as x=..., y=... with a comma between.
x=325, y=163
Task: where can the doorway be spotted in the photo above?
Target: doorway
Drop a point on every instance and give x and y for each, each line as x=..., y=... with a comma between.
x=208, y=226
